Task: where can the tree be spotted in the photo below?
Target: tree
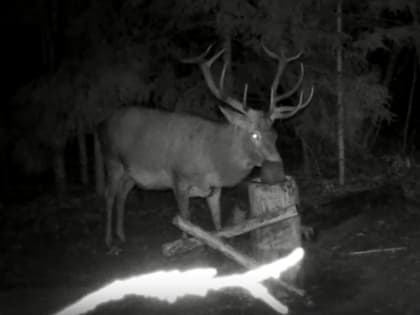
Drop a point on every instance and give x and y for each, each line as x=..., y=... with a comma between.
x=340, y=109
x=128, y=52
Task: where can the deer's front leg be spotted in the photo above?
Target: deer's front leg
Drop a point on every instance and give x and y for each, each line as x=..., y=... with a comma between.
x=213, y=201
x=126, y=185
x=183, y=202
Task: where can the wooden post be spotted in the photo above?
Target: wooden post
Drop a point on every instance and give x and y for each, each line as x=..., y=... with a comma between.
x=279, y=239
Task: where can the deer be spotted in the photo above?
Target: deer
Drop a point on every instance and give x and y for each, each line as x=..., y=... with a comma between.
x=190, y=155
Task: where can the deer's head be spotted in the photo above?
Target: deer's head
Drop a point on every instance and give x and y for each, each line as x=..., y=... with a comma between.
x=254, y=127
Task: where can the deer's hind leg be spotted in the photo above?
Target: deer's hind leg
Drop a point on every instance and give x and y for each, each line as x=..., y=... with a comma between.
x=126, y=184
x=115, y=172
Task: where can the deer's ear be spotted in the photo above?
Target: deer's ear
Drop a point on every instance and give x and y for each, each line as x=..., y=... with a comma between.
x=235, y=118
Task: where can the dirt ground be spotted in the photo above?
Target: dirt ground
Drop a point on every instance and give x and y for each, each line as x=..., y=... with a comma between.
x=52, y=253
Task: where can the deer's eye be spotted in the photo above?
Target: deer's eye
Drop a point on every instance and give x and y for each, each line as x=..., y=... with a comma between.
x=256, y=136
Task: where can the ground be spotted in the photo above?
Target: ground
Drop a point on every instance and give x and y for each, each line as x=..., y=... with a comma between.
x=53, y=254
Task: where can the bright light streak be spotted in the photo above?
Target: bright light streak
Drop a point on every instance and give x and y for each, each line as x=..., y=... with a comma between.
x=171, y=285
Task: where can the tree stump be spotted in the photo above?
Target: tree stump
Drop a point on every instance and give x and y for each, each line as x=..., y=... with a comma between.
x=277, y=240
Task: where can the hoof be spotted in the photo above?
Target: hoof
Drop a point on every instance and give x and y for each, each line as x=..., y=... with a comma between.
x=114, y=250
x=308, y=233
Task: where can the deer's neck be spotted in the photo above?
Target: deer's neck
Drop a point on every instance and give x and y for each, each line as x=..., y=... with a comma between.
x=233, y=156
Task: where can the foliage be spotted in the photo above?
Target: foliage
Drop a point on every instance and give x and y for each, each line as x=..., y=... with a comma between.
x=118, y=53
x=49, y=109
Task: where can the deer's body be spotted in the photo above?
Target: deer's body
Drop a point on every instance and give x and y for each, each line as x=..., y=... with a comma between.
x=194, y=157
x=161, y=150
x=156, y=149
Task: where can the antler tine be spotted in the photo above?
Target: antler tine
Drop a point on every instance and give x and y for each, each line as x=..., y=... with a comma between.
x=244, y=98
x=294, y=89
x=269, y=52
x=282, y=63
x=200, y=58
x=274, y=55
x=205, y=66
x=285, y=112
x=295, y=57
x=209, y=62
x=222, y=76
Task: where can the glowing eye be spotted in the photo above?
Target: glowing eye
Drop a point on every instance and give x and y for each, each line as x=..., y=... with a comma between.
x=256, y=136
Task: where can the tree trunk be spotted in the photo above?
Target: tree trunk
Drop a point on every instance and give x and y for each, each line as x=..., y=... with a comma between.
x=410, y=107
x=83, y=160
x=60, y=175
x=274, y=241
x=390, y=69
x=340, y=105
x=99, y=166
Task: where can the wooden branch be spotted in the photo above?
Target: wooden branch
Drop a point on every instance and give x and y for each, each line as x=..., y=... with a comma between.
x=180, y=246
x=183, y=245
x=214, y=242
x=256, y=223
x=377, y=250
x=226, y=249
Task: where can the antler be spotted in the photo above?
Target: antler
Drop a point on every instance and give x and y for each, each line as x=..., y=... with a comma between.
x=284, y=112
x=205, y=66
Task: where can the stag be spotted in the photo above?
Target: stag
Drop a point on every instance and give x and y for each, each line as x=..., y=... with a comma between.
x=194, y=157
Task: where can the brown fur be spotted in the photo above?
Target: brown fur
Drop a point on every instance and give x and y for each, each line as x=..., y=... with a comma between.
x=188, y=154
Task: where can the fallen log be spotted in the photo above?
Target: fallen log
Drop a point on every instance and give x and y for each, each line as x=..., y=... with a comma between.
x=215, y=243
x=183, y=245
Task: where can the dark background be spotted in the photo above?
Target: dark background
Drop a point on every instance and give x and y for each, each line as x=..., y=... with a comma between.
x=64, y=61
x=67, y=65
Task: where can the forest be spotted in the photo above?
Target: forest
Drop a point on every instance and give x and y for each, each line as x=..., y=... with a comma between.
x=354, y=150
x=100, y=55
